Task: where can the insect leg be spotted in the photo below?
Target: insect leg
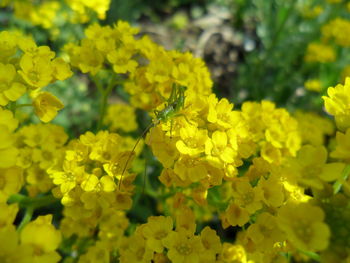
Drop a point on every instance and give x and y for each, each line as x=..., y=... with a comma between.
x=144, y=177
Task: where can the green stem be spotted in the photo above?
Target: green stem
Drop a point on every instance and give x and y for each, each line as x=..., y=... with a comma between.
x=104, y=98
x=280, y=28
x=30, y=204
x=311, y=255
x=35, y=202
x=12, y=107
x=26, y=219
x=23, y=105
x=342, y=181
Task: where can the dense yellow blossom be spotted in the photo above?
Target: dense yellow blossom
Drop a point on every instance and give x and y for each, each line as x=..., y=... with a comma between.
x=10, y=89
x=232, y=253
x=338, y=30
x=304, y=226
x=42, y=15
x=38, y=230
x=183, y=248
x=313, y=85
x=337, y=103
x=255, y=168
x=314, y=128
x=156, y=230
x=342, y=149
x=311, y=168
x=317, y=52
x=82, y=9
x=40, y=147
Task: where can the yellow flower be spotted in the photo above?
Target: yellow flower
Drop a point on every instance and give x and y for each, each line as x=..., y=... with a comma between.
x=10, y=90
x=313, y=127
x=185, y=220
x=236, y=215
x=43, y=237
x=272, y=188
x=69, y=177
x=159, y=70
x=8, y=214
x=36, y=70
x=313, y=85
x=61, y=69
x=247, y=196
x=218, y=149
x=304, y=226
x=8, y=152
x=339, y=30
x=86, y=56
x=156, y=230
x=122, y=61
x=311, y=167
x=183, y=248
x=338, y=104
x=7, y=119
x=211, y=243
x=8, y=45
x=11, y=250
x=270, y=153
x=104, y=37
x=192, y=140
x=193, y=169
x=46, y=106
x=312, y=11
x=121, y=117
x=317, y=52
x=134, y=250
x=38, y=180
x=264, y=232
x=96, y=253
x=84, y=8
x=233, y=253
x=163, y=147
x=342, y=149
x=221, y=114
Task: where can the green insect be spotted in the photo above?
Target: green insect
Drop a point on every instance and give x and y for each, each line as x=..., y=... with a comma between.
x=174, y=104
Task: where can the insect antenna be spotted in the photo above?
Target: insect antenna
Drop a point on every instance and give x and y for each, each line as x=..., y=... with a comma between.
x=144, y=178
x=132, y=151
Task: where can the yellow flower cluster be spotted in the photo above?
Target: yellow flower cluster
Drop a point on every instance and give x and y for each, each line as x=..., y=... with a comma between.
x=27, y=246
x=152, y=71
x=26, y=67
x=309, y=11
x=150, y=241
x=121, y=117
x=88, y=179
x=338, y=104
x=258, y=167
x=47, y=13
x=338, y=30
x=322, y=53
x=40, y=146
x=336, y=204
x=314, y=128
x=313, y=85
x=8, y=151
x=43, y=14
x=82, y=9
